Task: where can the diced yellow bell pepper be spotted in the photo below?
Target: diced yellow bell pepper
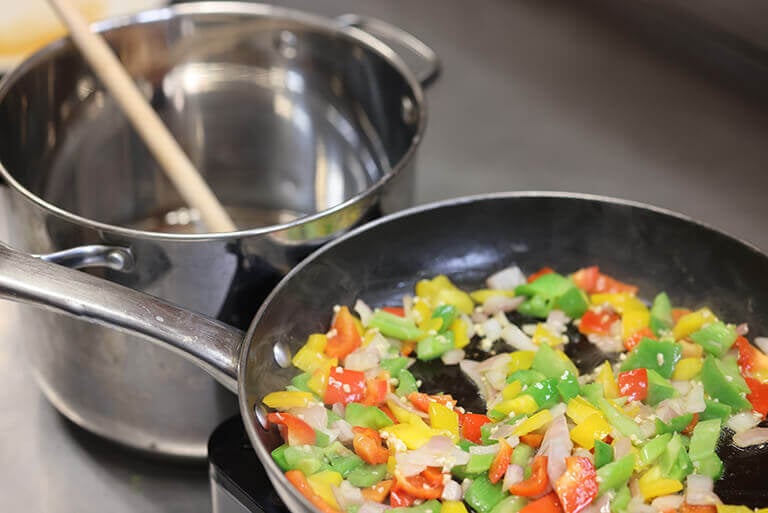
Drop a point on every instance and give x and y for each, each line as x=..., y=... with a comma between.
x=317, y=342
x=401, y=414
x=634, y=320
x=368, y=336
x=460, y=337
x=431, y=325
x=453, y=507
x=620, y=301
x=691, y=349
x=564, y=357
x=761, y=510
x=532, y=423
x=691, y=322
x=483, y=295
x=594, y=427
x=311, y=356
x=520, y=360
x=445, y=419
x=579, y=409
x=391, y=464
x=606, y=378
x=283, y=400
x=522, y=404
x=542, y=335
x=412, y=434
x=687, y=369
x=421, y=311
x=728, y=508
x=319, y=379
x=439, y=290
x=359, y=325
x=512, y=390
x=653, y=485
x=321, y=483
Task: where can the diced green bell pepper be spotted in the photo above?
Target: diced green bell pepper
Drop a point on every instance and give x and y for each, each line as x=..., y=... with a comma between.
x=406, y=383
x=391, y=325
x=568, y=386
x=511, y=504
x=447, y=313
x=535, y=306
x=603, y=453
x=431, y=506
x=675, y=462
x=434, y=346
x=661, y=314
x=658, y=355
x=522, y=454
x=659, y=388
x=593, y=392
x=300, y=381
x=366, y=416
x=395, y=365
x=460, y=472
x=344, y=465
x=367, y=475
x=615, y=475
x=573, y=302
x=654, y=448
x=702, y=448
x=544, y=393
x=716, y=338
x=549, y=363
x=551, y=285
x=730, y=367
x=675, y=425
x=483, y=496
x=479, y=463
x=715, y=410
x=332, y=417
x=621, y=500
x=718, y=385
x=711, y=466
x=618, y=419
x=279, y=456
x=307, y=458
x=526, y=377
x=321, y=439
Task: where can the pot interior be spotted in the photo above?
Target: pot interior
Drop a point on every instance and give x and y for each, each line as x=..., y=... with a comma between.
x=283, y=114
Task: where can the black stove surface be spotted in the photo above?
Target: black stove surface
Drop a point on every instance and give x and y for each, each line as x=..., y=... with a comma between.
x=238, y=480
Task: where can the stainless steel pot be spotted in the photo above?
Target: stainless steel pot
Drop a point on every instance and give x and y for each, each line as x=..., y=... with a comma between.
x=303, y=127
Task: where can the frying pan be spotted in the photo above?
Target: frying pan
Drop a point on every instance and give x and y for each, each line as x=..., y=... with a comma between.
x=467, y=239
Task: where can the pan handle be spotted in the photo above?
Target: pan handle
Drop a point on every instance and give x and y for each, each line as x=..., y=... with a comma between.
x=430, y=62
x=210, y=344
x=95, y=255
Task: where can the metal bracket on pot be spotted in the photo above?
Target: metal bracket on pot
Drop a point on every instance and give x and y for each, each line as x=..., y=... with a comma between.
x=430, y=61
x=96, y=255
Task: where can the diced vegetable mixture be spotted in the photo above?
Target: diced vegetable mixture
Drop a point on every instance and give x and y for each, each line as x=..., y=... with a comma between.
x=636, y=434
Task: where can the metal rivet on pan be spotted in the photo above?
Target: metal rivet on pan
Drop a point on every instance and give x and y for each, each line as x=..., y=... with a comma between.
x=261, y=415
x=285, y=43
x=410, y=114
x=282, y=354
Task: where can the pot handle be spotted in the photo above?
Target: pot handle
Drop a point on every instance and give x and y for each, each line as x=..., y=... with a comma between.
x=210, y=344
x=95, y=255
x=386, y=31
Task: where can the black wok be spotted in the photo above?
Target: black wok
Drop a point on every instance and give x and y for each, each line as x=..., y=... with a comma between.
x=467, y=239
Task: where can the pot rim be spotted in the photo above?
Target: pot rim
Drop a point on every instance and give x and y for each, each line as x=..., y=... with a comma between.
x=328, y=25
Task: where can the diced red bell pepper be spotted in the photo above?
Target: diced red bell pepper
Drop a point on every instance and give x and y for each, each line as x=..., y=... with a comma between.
x=471, y=424
x=586, y=278
x=344, y=386
x=293, y=430
x=377, y=492
x=421, y=401
x=426, y=485
x=592, y=281
x=679, y=312
x=538, y=274
x=395, y=310
x=368, y=444
x=577, y=487
x=608, y=284
x=688, y=431
x=299, y=481
x=695, y=508
x=751, y=360
x=389, y=413
x=598, y=322
x=537, y=483
x=345, y=338
x=636, y=337
x=547, y=504
x=400, y=499
x=532, y=439
x=500, y=462
x=758, y=395
x=376, y=391
x=633, y=384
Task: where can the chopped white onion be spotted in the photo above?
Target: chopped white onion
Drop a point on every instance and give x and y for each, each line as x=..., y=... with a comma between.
x=453, y=357
x=665, y=502
x=513, y=441
x=479, y=317
x=408, y=305
x=362, y=359
x=513, y=475
x=750, y=437
x=498, y=362
x=742, y=329
x=406, y=406
x=316, y=416
x=339, y=409
x=499, y=431
x=469, y=367
x=557, y=410
x=694, y=401
x=515, y=337
x=372, y=507
x=699, y=491
x=465, y=484
x=500, y=303
x=621, y=447
x=762, y=343
x=347, y=495
x=452, y=491
x=683, y=387
x=557, y=446
x=364, y=311
x=491, y=329
x=557, y=321
x=607, y=343
x=506, y=279
x=344, y=429
x=439, y=451
x=636, y=505
x=484, y=449
x=744, y=421
x=600, y=505
x=647, y=428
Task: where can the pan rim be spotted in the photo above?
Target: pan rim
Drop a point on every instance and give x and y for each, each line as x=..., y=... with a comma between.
x=271, y=468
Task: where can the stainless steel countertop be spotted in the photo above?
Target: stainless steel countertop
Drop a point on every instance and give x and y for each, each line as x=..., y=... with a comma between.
x=534, y=95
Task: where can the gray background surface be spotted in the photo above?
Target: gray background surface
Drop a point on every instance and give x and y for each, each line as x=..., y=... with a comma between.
x=534, y=95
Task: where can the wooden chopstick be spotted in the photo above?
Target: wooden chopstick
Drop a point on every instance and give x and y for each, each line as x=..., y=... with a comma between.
x=177, y=166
